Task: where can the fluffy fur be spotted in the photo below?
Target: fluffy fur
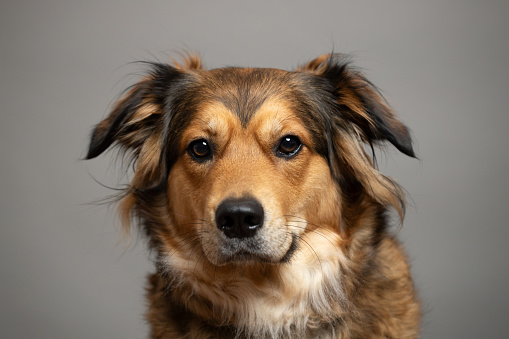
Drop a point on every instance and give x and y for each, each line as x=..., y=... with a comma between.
x=321, y=263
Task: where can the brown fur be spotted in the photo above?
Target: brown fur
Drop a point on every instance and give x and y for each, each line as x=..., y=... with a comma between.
x=324, y=264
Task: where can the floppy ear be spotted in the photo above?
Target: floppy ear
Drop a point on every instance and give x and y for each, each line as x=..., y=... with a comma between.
x=357, y=112
x=360, y=102
x=136, y=124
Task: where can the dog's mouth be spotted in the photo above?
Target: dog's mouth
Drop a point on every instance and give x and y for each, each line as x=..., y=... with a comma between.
x=291, y=250
x=245, y=252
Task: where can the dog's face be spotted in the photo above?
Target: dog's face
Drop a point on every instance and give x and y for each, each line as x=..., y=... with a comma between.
x=238, y=165
x=251, y=185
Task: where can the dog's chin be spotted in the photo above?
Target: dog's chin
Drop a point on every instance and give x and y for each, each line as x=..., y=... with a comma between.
x=245, y=254
x=245, y=258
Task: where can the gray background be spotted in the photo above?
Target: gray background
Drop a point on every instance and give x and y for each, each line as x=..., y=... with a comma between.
x=441, y=64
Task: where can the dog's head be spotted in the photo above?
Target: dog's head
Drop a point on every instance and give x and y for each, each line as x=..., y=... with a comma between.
x=236, y=165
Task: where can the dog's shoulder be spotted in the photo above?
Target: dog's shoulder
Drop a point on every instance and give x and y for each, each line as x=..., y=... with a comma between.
x=388, y=305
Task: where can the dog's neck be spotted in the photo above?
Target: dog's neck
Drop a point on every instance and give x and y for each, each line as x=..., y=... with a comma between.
x=262, y=299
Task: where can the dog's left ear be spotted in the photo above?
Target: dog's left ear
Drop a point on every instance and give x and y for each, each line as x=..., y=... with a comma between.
x=360, y=102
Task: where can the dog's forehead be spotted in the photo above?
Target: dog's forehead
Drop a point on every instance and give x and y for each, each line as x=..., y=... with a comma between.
x=244, y=90
x=274, y=117
x=259, y=100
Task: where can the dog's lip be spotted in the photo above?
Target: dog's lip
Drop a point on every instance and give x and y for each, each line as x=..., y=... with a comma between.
x=291, y=250
x=252, y=256
x=246, y=256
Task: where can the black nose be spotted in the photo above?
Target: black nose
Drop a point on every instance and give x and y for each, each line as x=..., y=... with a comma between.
x=239, y=218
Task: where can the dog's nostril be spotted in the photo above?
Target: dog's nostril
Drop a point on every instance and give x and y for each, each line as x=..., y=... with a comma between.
x=239, y=218
x=252, y=220
x=228, y=221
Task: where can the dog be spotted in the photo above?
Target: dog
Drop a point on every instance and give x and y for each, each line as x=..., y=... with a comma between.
x=258, y=192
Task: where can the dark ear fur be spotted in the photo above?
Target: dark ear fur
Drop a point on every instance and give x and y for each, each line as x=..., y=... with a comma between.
x=142, y=100
x=361, y=102
x=136, y=124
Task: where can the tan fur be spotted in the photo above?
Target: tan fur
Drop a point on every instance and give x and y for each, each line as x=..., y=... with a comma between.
x=348, y=277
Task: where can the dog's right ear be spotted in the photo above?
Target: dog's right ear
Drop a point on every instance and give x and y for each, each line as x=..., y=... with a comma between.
x=137, y=124
x=128, y=123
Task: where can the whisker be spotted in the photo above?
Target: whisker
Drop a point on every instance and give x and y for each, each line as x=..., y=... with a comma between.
x=183, y=242
x=196, y=246
x=303, y=220
x=312, y=249
x=197, y=261
x=186, y=216
x=316, y=232
x=191, y=223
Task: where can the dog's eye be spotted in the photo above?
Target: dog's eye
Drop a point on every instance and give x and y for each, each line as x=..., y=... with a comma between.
x=200, y=150
x=288, y=146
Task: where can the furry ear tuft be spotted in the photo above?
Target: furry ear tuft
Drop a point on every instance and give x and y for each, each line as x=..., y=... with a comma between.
x=136, y=124
x=361, y=102
x=130, y=114
x=357, y=113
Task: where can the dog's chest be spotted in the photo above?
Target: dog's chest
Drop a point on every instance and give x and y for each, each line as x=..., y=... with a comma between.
x=304, y=300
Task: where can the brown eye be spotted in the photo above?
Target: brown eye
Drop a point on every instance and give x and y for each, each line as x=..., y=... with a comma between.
x=288, y=147
x=200, y=150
